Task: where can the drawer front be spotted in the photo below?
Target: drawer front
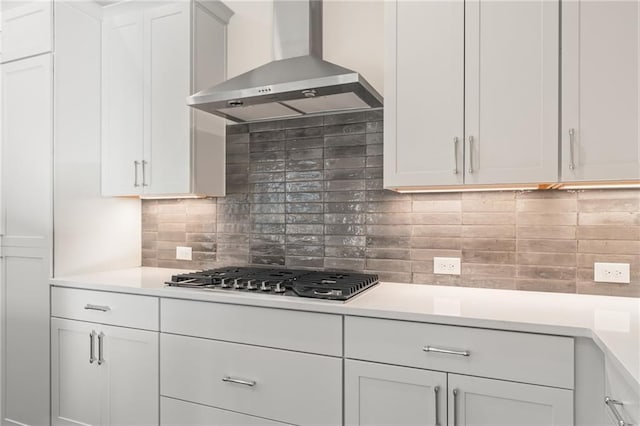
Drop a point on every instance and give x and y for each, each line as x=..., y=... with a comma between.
x=278, y=328
x=287, y=386
x=174, y=412
x=127, y=310
x=522, y=357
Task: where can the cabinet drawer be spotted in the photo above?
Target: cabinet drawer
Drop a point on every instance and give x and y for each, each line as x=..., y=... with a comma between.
x=278, y=328
x=174, y=412
x=287, y=386
x=125, y=310
x=523, y=357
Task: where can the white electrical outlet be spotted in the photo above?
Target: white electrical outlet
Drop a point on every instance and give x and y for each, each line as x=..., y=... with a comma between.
x=611, y=273
x=446, y=265
x=183, y=253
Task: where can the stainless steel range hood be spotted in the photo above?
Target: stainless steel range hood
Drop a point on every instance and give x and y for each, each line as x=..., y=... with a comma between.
x=297, y=82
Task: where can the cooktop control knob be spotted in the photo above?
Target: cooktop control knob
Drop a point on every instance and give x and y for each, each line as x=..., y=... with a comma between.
x=237, y=284
x=251, y=285
x=280, y=288
x=224, y=283
x=265, y=286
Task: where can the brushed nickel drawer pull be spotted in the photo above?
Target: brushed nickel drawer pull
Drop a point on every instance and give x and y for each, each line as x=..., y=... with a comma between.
x=611, y=403
x=249, y=383
x=101, y=308
x=445, y=351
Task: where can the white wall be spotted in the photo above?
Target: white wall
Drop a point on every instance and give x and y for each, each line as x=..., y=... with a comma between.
x=353, y=36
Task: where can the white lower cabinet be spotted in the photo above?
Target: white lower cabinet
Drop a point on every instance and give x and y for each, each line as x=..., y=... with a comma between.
x=103, y=375
x=379, y=394
x=486, y=402
x=249, y=365
x=404, y=373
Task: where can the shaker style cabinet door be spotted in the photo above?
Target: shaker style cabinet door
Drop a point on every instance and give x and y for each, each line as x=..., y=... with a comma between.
x=131, y=387
x=380, y=394
x=485, y=402
x=103, y=375
x=424, y=98
x=600, y=90
x=511, y=91
x=27, y=28
x=76, y=376
x=122, y=106
x=167, y=65
x=27, y=143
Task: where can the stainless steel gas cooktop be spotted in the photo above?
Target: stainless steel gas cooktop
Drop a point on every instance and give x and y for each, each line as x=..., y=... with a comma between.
x=285, y=282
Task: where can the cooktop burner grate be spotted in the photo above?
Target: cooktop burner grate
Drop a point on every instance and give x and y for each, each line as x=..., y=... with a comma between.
x=288, y=282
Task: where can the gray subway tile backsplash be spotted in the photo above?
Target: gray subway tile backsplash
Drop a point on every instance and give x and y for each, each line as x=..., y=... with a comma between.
x=307, y=193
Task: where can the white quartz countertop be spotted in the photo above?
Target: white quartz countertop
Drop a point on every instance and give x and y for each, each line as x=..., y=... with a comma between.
x=612, y=322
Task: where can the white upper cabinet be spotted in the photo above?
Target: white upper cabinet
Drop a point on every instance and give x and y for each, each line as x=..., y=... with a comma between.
x=122, y=112
x=27, y=142
x=154, y=56
x=511, y=91
x=424, y=93
x=600, y=90
x=27, y=28
x=488, y=67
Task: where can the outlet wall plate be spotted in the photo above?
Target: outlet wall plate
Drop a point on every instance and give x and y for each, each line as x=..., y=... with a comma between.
x=611, y=272
x=446, y=265
x=183, y=253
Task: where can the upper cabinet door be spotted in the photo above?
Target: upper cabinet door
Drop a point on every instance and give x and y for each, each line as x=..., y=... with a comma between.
x=27, y=126
x=424, y=93
x=167, y=65
x=600, y=90
x=27, y=28
x=511, y=104
x=122, y=111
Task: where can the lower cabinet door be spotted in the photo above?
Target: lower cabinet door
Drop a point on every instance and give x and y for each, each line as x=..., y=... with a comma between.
x=174, y=412
x=75, y=374
x=487, y=402
x=131, y=386
x=103, y=375
x=380, y=394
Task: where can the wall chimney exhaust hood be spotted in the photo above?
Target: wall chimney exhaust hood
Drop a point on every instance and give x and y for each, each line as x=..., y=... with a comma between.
x=297, y=82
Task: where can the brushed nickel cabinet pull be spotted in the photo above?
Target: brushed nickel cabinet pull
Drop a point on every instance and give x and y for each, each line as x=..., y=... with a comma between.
x=144, y=173
x=572, y=141
x=471, y=154
x=455, y=155
x=135, y=173
x=92, y=354
x=249, y=383
x=455, y=407
x=435, y=391
x=612, y=403
x=100, y=348
x=445, y=351
x=101, y=308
